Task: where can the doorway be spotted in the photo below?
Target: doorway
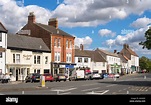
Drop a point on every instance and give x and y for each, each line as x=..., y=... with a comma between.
x=16, y=74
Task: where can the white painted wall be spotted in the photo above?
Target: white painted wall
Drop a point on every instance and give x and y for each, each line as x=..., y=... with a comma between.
x=3, y=44
x=98, y=66
x=82, y=64
x=26, y=62
x=113, y=60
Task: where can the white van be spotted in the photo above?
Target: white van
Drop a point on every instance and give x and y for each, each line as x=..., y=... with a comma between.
x=77, y=75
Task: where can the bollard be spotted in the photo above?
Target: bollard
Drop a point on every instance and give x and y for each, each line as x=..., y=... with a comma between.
x=58, y=92
x=42, y=81
x=114, y=78
x=23, y=92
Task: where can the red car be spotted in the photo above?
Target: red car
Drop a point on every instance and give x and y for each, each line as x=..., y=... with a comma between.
x=113, y=75
x=48, y=77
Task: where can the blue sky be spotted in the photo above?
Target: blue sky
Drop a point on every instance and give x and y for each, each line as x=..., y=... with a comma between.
x=105, y=24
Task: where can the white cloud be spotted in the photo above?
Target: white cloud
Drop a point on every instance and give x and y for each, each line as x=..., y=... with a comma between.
x=15, y=17
x=132, y=39
x=136, y=36
x=141, y=22
x=86, y=41
x=106, y=32
x=93, y=13
x=83, y=13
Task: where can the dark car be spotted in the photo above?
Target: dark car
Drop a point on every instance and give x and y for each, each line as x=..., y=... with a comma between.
x=60, y=77
x=48, y=77
x=34, y=77
x=104, y=75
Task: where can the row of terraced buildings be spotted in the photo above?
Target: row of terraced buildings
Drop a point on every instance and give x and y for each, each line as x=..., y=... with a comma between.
x=44, y=48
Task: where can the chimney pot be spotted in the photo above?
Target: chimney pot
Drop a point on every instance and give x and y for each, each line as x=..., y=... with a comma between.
x=31, y=18
x=53, y=22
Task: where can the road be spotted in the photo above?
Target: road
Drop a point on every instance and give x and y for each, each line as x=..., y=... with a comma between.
x=130, y=84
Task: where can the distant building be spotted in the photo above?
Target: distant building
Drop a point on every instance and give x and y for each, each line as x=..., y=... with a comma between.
x=98, y=63
x=124, y=64
x=90, y=60
x=82, y=59
x=132, y=57
x=113, y=61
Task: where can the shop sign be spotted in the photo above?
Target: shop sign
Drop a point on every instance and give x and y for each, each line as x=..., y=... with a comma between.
x=27, y=57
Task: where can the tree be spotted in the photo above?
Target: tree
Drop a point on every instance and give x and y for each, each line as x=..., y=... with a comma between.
x=145, y=63
x=147, y=42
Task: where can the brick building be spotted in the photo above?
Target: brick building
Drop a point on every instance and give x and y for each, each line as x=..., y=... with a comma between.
x=59, y=42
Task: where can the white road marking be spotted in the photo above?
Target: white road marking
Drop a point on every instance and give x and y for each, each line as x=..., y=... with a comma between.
x=111, y=85
x=63, y=90
x=90, y=84
x=98, y=92
x=64, y=93
x=90, y=89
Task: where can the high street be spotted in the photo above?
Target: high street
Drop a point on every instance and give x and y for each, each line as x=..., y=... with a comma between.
x=128, y=84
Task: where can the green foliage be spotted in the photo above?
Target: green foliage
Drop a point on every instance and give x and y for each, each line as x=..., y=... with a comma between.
x=145, y=63
x=147, y=42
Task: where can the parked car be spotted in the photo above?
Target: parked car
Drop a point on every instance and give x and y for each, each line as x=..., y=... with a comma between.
x=104, y=75
x=113, y=75
x=60, y=77
x=48, y=77
x=116, y=75
x=94, y=75
x=5, y=78
x=33, y=77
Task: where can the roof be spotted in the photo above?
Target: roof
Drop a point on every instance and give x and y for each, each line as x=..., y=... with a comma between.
x=2, y=28
x=81, y=53
x=108, y=53
x=122, y=58
x=126, y=57
x=131, y=52
x=25, y=42
x=95, y=56
x=53, y=30
x=128, y=51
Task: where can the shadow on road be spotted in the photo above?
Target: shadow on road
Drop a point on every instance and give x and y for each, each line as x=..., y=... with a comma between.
x=133, y=83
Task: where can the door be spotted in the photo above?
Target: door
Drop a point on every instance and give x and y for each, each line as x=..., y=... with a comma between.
x=16, y=74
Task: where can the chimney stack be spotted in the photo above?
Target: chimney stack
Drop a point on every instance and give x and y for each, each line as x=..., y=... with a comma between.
x=81, y=47
x=31, y=18
x=126, y=46
x=115, y=51
x=53, y=22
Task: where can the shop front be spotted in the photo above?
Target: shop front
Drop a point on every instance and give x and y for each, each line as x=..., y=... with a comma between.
x=115, y=68
x=18, y=72
x=64, y=68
